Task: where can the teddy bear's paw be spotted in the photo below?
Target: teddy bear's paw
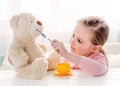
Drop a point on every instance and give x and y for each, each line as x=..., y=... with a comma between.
x=23, y=60
x=39, y=67
x=53, y=59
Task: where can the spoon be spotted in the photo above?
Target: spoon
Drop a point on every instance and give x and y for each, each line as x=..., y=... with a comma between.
x=43, y=35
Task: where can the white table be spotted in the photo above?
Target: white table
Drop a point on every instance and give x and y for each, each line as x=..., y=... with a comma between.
x=78, y=78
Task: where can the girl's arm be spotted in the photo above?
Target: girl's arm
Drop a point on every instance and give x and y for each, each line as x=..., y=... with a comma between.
x=93, y=66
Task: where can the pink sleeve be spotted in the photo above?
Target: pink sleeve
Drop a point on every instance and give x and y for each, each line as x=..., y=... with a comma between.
x=96, y=66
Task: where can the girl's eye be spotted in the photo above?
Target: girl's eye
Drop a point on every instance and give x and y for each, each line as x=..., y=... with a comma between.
x=79, y=41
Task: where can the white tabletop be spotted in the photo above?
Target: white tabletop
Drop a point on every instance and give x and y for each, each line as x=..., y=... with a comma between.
x=78, y=78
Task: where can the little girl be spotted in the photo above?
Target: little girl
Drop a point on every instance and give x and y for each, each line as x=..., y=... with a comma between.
x=86, y=43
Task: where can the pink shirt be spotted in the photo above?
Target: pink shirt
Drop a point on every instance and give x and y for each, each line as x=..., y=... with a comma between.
x=95, y=64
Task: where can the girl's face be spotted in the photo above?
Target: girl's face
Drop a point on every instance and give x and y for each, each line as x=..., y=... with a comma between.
x=81, y=41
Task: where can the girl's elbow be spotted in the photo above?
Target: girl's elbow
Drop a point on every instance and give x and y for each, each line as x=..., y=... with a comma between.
x=100, y=71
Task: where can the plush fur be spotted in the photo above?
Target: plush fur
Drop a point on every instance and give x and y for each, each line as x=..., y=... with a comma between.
x=27, y=57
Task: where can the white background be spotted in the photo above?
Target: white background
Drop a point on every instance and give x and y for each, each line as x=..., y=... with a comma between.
x=59, y=16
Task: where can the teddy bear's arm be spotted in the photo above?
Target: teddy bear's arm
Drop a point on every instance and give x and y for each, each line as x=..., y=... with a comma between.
x=43, y=46
x=18, y=57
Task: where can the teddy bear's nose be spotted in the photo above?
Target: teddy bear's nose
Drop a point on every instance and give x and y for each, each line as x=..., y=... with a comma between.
x=39, y=23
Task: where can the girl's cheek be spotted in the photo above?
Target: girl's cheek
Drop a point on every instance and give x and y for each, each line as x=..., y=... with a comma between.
x=71, y=42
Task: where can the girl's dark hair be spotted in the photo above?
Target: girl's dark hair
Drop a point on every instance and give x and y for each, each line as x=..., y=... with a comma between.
x=99, y=28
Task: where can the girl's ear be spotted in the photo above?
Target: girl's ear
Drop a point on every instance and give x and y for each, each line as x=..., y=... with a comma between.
x=96, y=48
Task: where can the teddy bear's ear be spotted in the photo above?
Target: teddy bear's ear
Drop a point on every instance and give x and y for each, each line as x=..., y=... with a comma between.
x=14, y=21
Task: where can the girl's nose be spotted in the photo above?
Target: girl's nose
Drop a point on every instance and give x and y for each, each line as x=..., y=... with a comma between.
x=73, y=41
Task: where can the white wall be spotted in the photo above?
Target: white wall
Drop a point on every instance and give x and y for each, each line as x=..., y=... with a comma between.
x=59, y=17
x=5, y=36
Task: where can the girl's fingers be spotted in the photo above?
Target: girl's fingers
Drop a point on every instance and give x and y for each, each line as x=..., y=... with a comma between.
x=75, y=67
x=58, y=51
x=54, y=42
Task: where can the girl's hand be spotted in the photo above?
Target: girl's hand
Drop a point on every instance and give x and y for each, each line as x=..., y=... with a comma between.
x=59, y=47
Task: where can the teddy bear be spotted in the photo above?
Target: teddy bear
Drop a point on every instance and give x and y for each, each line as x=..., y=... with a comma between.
x=28, y=57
